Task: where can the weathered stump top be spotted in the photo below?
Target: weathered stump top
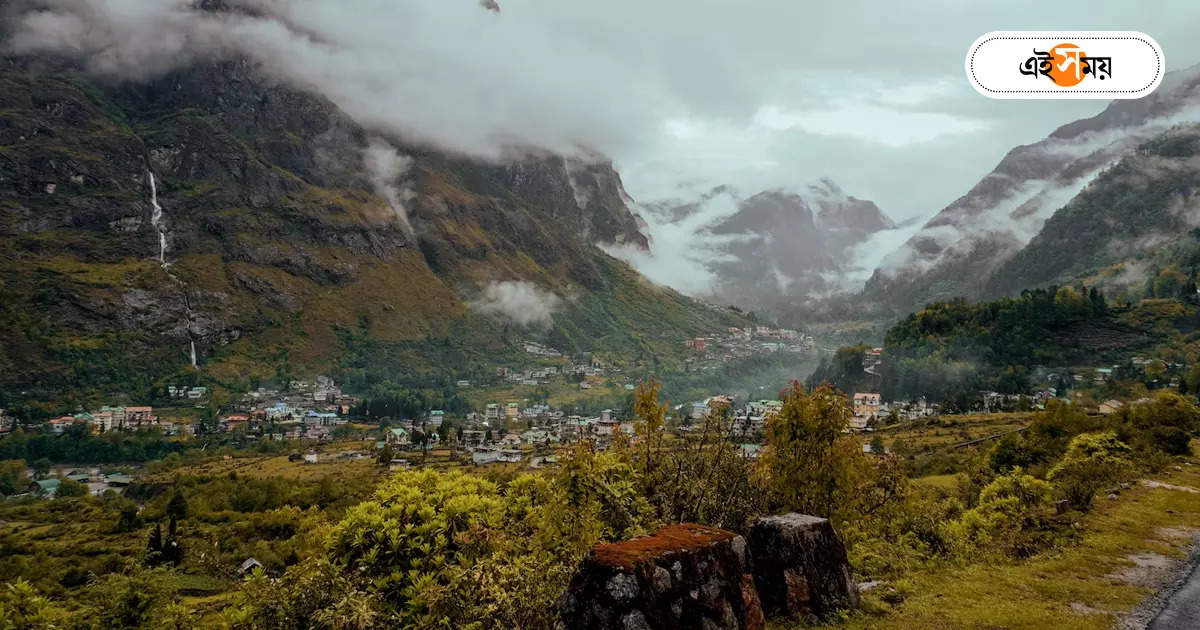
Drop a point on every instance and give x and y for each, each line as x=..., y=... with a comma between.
x=792, y=519
x=674, y=538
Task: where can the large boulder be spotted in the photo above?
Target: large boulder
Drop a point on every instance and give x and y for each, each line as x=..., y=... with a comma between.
x=800, y=566
x=683, y=576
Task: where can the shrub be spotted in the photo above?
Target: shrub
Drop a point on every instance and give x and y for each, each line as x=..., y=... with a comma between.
x=21, y=606
x=1009, y=453
x=1011, y=511
x=12, y=476
x=129, y=520
x=800, y=464
x=71, y=488
x=704, y=480
x=1092, y=461
x=1166, y=423
x=418, y=524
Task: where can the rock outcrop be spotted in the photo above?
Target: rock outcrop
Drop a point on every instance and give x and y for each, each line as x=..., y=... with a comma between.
x=683, y=576
x=800, y=566
x=692, y=576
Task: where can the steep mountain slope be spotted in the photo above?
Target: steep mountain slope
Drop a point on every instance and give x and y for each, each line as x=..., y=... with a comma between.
x=290, y=240
x=1136, y=215
x=954, y=252
x=776, y=245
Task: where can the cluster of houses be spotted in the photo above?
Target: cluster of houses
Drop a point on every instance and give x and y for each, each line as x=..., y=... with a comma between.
x=738, y=343
x=97, y=483
x=1052, y=383
x=746, y=422
x=553, y=427
x=537, y=349
x=587, y=370
x=7, y=423
x=306, y=410
x=489, y=437
x=870, y=409
x=872, y=360
x=109, y=418
x=492, y=437
x=1099, y=376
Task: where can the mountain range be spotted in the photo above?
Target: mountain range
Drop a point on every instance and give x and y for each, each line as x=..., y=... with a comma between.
x=216, y=218
x=218, y=221
x=775, y=246
x=1097, y=192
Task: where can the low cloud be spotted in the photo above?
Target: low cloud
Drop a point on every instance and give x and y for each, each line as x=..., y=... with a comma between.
x=682, y=249
x=521, y=302
x=386, y=168
x=1011, y=209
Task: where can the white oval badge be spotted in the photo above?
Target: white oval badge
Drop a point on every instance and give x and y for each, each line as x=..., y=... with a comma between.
x=1065, y=64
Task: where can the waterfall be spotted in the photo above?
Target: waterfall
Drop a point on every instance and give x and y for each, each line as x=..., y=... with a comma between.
x=156, y=221
x=156, y=216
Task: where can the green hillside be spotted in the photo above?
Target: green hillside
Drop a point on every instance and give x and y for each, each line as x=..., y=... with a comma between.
x=284, y=257
x=952, y=349
x=1132, y=221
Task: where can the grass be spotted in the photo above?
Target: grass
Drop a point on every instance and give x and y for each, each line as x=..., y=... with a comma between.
x=265, y=466
x=1084, y=585
x=561, y=393
x=951, y=429
x=944, y=482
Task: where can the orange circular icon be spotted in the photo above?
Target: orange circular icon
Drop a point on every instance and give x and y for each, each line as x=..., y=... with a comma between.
x=1066, y=64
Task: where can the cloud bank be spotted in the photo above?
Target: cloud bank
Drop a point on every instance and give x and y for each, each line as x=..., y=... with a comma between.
x=521, y=302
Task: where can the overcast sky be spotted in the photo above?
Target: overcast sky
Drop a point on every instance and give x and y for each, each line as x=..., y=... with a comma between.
x=757, y=93
x=868, y=93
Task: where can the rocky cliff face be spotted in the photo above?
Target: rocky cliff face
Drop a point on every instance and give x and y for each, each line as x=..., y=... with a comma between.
x=294, y=239
x=955, y=252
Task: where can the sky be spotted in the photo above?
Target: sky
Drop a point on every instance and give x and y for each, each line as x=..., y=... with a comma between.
x=682, y=95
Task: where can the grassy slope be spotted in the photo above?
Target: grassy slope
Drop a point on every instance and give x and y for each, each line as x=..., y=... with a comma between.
x=43, y=539
x=951, y=429
x=1098, y=572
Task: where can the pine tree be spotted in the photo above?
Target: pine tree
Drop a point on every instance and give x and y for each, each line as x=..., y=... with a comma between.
x=177, y=508
x=154, y=546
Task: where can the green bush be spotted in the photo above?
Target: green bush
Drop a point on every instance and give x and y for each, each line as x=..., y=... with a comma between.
x=71, y=488
x=1008, y=517
x=1092, y=461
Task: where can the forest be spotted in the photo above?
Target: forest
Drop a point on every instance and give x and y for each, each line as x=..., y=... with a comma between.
x=949, y=351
